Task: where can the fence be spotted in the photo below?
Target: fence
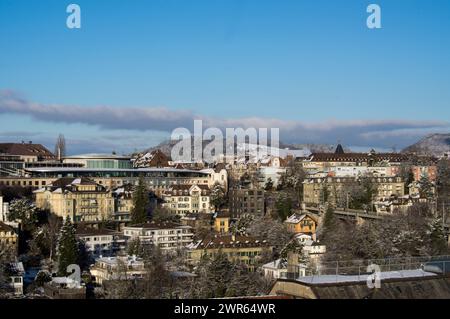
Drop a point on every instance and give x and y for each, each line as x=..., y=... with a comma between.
x=357, y=269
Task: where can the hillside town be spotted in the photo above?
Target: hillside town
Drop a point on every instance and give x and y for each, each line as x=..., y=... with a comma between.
x=143, y=226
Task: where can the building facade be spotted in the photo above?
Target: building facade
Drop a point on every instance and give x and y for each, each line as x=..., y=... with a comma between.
x=246, y=201
x=184, y=199
x=241, y=249
x=80, y=199
x=167, y=236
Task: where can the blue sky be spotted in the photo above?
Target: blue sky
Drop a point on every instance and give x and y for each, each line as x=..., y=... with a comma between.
x=313, y=65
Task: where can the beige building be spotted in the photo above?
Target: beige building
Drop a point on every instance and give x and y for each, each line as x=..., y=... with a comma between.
x=339, y=189
x=27, y=152
x=8, y=240
x=80, y=199
x=242, y=249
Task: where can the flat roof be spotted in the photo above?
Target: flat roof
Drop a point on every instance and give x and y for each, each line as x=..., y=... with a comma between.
x=106, y=170
x=97, y=156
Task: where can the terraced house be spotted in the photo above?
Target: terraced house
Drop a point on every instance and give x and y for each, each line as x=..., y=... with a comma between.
x=80, y=199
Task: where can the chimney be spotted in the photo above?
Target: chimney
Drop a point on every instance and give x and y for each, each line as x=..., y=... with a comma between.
x=314, y=237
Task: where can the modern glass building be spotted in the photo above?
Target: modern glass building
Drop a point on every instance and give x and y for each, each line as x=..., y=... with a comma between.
x=100, y=161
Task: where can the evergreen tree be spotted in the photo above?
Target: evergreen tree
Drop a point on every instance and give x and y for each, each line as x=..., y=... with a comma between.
x=425, y=187
x=68, y=249
x=141, y=203
x=269, y=185
x=328, y=222
x=218, y=196
x=283, y=206
x=436, y=232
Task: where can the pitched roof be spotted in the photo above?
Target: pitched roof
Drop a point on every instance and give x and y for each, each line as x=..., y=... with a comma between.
x=184, y=189
x=70, y=183
x=6, y=228
x=26, y=149
x=357, y=157
x=297, y=218
x=227, y=241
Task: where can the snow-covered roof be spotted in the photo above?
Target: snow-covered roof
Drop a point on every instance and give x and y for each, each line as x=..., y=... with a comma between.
x=276, y=264
x=297, y=218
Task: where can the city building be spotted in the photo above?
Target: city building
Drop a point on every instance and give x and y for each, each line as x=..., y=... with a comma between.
x=16, y=271
x=155, y=158
x=27, y=152
x=167, y=236
x=222, y=222
x=9, y=240
x=123, y=202
x=321, y=161
x=275, y=269
x=80, y=199
x=64, y=288
x=101, y=242
x=11, y=165
x=100, y=161
x=242, y=249
x=338, y=189
x=117, y=268
x=184, y=199
x=4, y=210
x=299, y=223
x=156, y=179
x=244, y=201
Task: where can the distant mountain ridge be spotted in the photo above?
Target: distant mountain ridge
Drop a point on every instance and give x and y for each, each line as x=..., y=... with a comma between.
x=434, y=144
x=166, y=147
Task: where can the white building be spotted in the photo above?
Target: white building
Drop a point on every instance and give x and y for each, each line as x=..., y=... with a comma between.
x=185, y=199
x=4, y=210
x=274, y=269
x=16, y=280
x=118, y=268
x=167, y=236
x=101, y=242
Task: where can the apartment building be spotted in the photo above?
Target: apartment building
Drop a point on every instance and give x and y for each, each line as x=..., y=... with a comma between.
x=167, y=236
x=27, y=152
x=80, y=199
x=185, y=199
x=100, y=242
x=242, y=249
x=9, y=239
x=246, y=201
x=4, y=209
x=117, y=268
x=338, y=189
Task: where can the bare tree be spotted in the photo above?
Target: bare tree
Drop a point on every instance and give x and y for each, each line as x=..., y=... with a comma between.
x=60, y=147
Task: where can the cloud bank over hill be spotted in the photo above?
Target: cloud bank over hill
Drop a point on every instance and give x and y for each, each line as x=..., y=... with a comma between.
x=141, y=120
